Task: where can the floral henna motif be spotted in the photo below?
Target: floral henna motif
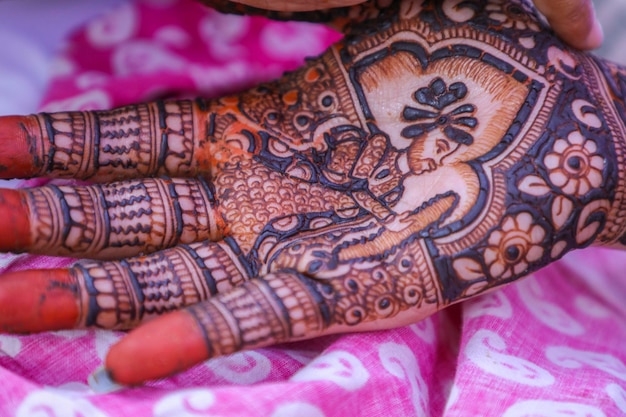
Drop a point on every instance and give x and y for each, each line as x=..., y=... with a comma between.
x=574, y=165
x=514, y=247
x=438, y=96
x=440, y=150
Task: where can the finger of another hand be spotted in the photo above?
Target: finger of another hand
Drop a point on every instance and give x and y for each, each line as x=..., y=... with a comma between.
x=298, y=5
x=574, y=21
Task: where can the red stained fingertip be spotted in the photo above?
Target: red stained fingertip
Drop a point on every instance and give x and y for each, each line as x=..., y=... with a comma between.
x=15, y=232
x=159, y=348
x=39, y=300
x=18, y=139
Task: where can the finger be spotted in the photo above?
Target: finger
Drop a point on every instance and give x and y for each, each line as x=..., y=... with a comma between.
x=282, y=307
x=118, y=295
x=277, y=123
x=129, y=142
x=336, y=13
x=574, y=21
x=298, y=5
x=38, y=301
x=109, y=221
x=347, y=294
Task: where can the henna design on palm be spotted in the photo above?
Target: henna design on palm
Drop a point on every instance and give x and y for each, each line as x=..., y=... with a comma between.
x=440, y=150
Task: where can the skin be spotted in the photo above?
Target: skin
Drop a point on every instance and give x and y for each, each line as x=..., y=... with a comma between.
x=439, y=151
x=573, y=20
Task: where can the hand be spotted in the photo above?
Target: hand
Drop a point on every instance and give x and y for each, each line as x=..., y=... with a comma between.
x=434, y=154
x=573, y=20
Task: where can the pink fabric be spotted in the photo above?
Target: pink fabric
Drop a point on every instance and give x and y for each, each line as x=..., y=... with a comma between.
x=551, y=345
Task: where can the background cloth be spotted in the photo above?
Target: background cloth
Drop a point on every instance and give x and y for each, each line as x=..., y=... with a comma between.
x=550, y=345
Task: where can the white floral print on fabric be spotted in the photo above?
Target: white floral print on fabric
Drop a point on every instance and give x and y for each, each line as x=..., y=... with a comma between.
x=568, y=357
x=113, y=28
x=50, y=404
x=487, y=350
x=401, y=362
x=242, y=368
x=298, y=409
x=494, y=304
x=10, y=345
x=186, y=403
x=548, y=313
x=546, y=408
x=339, y=367
x=618, y=395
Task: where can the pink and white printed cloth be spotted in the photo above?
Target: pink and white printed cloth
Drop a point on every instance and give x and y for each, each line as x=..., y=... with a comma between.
x=551, y=345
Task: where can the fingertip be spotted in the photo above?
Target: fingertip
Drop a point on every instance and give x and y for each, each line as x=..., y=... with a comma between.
x=16, y=146
x=595, y=38
x=158, y=348
x=574, y=21
x=15, y=234
x=36, y=301
x=592, y=39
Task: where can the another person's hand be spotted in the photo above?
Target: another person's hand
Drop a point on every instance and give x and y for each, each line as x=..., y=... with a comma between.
x=437, y=152
x=573, y=20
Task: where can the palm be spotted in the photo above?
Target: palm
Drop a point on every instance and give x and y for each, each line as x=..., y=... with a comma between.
x=405, y=169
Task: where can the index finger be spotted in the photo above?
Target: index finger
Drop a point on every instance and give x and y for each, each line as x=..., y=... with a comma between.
x=574, y=21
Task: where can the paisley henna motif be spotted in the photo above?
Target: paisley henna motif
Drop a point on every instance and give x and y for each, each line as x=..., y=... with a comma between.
x=440, y=150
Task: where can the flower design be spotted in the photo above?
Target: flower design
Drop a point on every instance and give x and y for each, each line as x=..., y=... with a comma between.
x=511, y=15
x=574, y=165
x=439, y=97
x=516, y=245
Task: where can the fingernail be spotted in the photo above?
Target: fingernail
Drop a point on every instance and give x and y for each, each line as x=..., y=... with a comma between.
x=101, y=382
